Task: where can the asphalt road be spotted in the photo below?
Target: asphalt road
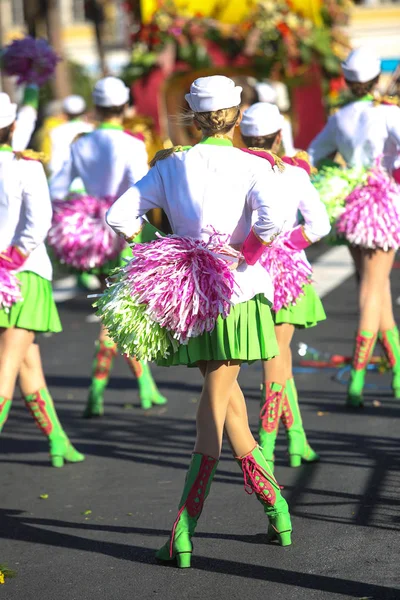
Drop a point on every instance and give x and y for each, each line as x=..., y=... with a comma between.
x=346, y=509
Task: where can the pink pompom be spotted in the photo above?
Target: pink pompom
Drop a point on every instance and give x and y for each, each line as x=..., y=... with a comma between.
x=10, y=291
x=80, y=236
x=288, y=270
x=32, y=60
x=184, y=283
x=371, y=218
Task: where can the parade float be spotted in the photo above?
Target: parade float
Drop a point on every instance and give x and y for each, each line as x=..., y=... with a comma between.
x=299, y=43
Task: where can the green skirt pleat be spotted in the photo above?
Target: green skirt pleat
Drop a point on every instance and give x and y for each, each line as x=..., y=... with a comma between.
x=307, y=311
x=247, y=334
x=37, y=311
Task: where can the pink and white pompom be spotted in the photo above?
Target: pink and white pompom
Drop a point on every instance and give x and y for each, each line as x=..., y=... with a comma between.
x=186, y=284
x=80, y=236
x=371, y=218
x=289, y=272
x=10, y=291
x=32, y=60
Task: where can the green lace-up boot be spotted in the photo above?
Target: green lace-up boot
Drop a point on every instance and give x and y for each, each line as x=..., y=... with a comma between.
x=365, y=342
x=298, y=447
x=391, y=344
x=5, y=405
x=42, y=409
x=148, y=391
x=268, y=425
x=101, y=368
x=197, y=487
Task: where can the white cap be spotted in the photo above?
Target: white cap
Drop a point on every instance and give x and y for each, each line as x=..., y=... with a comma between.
x=110, y=91
x=8, y=111
x=74, y=105
x=261, y=119
x=361, y=65
x=213, y=93
x=266, y=93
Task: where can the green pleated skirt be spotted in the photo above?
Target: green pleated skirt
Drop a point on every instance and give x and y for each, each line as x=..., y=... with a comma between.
x=37, y=311
x=307, y=311
x=247, y=334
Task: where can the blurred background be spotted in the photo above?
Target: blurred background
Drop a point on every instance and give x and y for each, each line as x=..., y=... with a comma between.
x=157, y=47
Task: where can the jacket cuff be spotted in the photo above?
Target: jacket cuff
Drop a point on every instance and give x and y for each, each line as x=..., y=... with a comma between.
x=297, y=239
x=396, y=175
x=253, y=248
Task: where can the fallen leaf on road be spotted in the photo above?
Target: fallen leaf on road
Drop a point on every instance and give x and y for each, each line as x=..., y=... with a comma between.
x=43, y=496
x=87, y=512
x=321, y=413
x=376, y=403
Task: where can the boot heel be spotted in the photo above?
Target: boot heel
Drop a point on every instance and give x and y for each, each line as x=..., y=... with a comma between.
x=183, y=559
x=284, y=538
x=57, y=461
x=295, y=460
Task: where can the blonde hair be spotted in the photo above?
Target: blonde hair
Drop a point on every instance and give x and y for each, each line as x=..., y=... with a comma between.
x=217, y=121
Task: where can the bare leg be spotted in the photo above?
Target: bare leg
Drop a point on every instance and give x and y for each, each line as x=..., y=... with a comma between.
x=376, y=267
x=219, y=381
x=14, y=344
x=31, y=376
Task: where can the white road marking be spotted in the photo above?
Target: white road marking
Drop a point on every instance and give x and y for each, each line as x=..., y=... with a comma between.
x=329, y=271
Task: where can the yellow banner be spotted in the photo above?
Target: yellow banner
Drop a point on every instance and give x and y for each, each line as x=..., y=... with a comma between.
x=226, y=11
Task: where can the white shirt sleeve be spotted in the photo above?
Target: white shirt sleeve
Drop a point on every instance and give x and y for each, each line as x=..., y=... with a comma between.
x=61, y=181
x=37, y=208
x=138, y=166
x=24, y=127
x=125, y=215
x=264, y=198
x=325, y=142
x=311, y=207
x=393, y=123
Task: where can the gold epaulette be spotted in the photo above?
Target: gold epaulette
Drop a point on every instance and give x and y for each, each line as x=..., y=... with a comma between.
x=166, y=152
x=278, y=162
x=303, y=155
x=387, y=100
x=32, y=155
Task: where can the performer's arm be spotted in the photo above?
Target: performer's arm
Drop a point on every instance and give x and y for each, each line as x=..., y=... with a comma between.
x=26, y=118
x=138, y=165
x=37, y=213
x=60, y=182
x=264, y=198
x=314, y=213
x=324, y=145
x=126, y=214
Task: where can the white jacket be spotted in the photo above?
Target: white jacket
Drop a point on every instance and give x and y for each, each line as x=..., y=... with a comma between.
x=25, y=211
x=61, y=138
x=361, y=132
x=108, y=161
x=209, y=185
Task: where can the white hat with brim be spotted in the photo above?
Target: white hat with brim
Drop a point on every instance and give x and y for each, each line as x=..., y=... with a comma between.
x=261, y=119
x=213, y=93
x=74, y=105
x=266, y=93
x=110, y=91
x=8, y=111
x=361, y=65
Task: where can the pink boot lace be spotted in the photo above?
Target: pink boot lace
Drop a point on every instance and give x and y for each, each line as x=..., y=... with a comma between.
x=258, y=481
x=269, y=413
x=362, y=352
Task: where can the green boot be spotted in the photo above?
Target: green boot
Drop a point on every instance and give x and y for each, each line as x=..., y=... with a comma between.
x=5, y=406
x=102, y=364
x=271, y=400
x=197, y=487
x=258, y=479
x=148, y=391
x=391, y=344
x=365, y=342
x=298, y=447
x=42, y=409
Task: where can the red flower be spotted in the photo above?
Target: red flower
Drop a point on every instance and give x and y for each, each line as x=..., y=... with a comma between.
x=283, y=29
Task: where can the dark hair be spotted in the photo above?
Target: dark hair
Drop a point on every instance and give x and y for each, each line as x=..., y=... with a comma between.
x=261, y=141
x=5, y=134
x=107, y=112
x=359, y=89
